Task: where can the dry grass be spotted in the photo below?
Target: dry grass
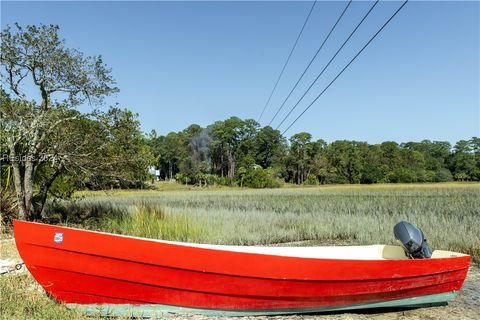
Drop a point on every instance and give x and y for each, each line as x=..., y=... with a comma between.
x=22, y=297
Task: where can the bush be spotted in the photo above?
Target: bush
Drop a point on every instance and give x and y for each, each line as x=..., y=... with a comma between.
x=311, y=180
x=443, y=175
x=260, y=178
x=430, y=176
x=8, y=207
x=211, y=179
x=225, y=181
x=79, y=211
x=63, y=187
x=402, y=175
x=182, y=178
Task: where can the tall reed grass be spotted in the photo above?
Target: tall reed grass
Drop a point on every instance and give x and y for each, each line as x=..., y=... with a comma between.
x=152, y=221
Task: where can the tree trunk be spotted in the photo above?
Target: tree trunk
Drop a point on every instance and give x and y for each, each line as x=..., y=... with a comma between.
x=19, y=190
x=43, y=193
x=28, y=187
x=231, y=165
x=221, y=160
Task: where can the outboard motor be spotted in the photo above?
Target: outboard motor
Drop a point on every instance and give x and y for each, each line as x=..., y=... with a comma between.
x=413, y=240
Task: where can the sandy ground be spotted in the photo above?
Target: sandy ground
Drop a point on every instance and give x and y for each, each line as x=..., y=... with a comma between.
x=465, y=306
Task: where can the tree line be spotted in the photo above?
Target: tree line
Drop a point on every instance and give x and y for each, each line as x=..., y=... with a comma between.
x=240, y=152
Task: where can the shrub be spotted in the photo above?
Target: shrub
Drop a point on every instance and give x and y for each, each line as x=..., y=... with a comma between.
x=64, y=187
x=443, y=175
x=211, y=179
x=311, y=180
x=8, y=207
x=260, y=178
x=402, y=175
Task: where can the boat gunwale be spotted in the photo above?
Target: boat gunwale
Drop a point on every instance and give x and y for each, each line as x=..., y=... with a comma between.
x=225, y=248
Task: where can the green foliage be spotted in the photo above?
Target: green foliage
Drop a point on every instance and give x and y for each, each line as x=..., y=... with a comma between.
x=443, y=175
x=64, y=187
x=258, y=177
x=5, y=176
x=402, y=175
x=270, y=148
x=347, y=158
x=125, y=149
x=311, y=180
x=464, y=163
x=8, y=207
x=182, y=178
x=43, y=130
x=38, y=52
x=301, y=155
x=222, y=154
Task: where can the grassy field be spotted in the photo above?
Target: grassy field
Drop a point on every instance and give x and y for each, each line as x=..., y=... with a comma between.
x=448, y=213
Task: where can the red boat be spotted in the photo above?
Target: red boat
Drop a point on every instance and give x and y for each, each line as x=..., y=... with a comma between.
x=121, y=275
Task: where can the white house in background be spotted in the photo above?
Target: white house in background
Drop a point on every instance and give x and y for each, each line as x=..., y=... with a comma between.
x=154, y=172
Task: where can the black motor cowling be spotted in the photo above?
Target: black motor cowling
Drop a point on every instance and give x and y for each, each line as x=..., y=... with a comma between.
x=413, y=240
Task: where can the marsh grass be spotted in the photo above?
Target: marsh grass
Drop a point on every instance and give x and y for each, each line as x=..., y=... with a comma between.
x=153, y=221
x=448, y=213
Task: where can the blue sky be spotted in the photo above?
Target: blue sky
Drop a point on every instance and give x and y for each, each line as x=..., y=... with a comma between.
x=178, y=63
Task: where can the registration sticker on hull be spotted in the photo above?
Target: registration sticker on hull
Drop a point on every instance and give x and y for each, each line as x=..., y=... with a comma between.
x=58, y=237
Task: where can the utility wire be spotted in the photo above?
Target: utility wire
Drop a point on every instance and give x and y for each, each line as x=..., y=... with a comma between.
x=353, y=59
x=288, y=59
x=329, y=62
x=311, y=61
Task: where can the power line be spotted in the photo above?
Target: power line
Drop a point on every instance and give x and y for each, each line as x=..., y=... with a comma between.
x=353, y=59
x=329, y=62
x=311, y=61
x=288, y=59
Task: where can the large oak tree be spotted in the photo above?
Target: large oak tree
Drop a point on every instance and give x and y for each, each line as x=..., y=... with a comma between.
x=44, y=84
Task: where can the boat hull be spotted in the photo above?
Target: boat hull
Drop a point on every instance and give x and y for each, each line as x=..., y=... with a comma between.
x=120, y=275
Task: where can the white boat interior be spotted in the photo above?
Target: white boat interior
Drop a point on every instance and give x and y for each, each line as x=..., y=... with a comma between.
x=369, y=252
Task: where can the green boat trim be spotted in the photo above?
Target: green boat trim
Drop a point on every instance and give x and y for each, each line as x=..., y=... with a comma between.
x=160, y=310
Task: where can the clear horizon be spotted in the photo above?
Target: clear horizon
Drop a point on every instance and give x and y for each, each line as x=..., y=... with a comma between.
x=178, y=63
